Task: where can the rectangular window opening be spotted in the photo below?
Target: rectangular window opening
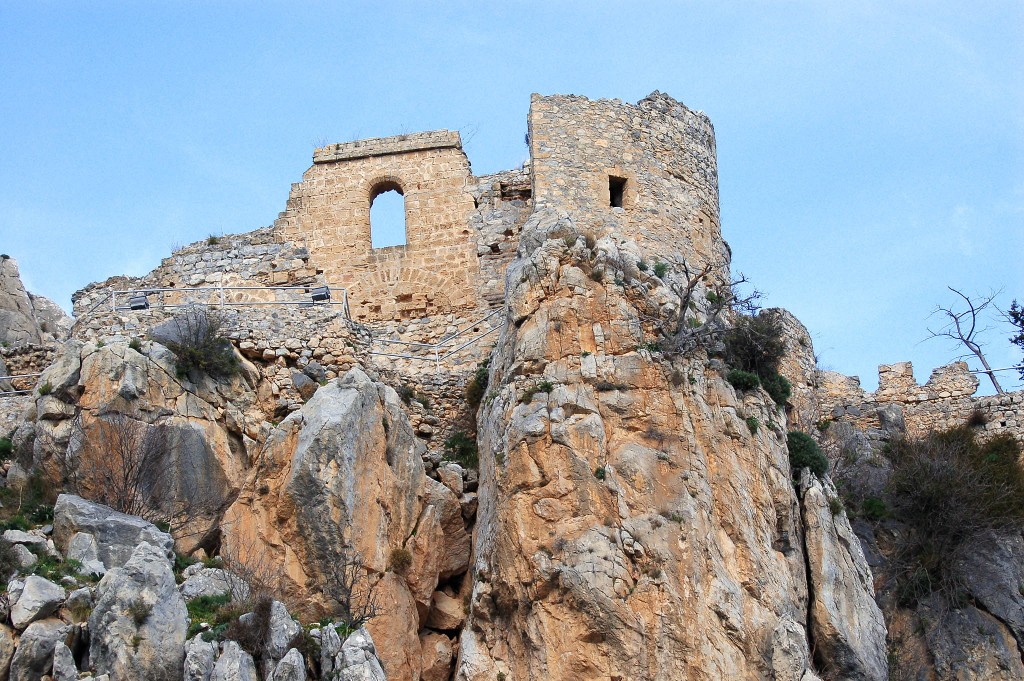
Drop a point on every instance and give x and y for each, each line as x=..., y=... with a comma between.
x=616, y=190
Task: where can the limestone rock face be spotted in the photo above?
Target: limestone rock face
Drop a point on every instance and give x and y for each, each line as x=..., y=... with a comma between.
x=342, y=479
x=18, y=325
x=630, y=524
x=234, y=664
x=846, y=623
x=139, y=622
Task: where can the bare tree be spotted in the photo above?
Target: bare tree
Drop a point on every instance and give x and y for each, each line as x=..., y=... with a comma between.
x=353, y=596
x=133, y=467
x=962, y=326
x=700, y=321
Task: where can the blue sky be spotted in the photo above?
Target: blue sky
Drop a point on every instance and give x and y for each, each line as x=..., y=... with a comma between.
x=870, y=153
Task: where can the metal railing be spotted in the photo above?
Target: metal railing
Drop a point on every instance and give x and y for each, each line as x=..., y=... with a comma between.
x=12, y=392
x=436, y=348
x=220, y=293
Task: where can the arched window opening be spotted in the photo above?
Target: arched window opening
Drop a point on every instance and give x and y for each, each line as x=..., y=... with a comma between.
x=387, y=216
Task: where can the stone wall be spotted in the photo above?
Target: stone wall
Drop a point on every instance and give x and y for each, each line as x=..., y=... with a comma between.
x=663, y=151
x=946, y=400
x=435, y=272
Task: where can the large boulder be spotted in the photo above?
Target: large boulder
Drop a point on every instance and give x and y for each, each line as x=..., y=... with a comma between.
x=34, y=656
x=139, y=622
x=117, y=534
x=39, y=598
x=200, y=659
x=357, y=660
x=234, y=664
x=291, y=667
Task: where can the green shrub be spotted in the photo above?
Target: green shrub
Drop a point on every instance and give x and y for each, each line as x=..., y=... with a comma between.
x=461, y=448
x=599, y=473
x=952, y=491
x=212, y=240
x=873, y=508
x=660, y=269
x=755, y=344
x=477, y=386
x=642, y=266
x=743, y=380
x=777, y=387
x=199, y=345
x=16, y=522
x=405, y=393
x=6, y=448
x=753, y=424
x=46, y=388
x=607, y=386
x=135, y=344
x=804, y=452
x=835, y=505
x=253, y=633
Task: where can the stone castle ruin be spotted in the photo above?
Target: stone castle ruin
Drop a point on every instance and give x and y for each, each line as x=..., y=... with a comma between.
x=602, y=509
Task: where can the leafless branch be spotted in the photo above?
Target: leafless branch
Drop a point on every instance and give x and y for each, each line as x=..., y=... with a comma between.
x=961, y=326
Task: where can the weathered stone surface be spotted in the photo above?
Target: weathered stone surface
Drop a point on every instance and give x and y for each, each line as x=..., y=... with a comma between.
x=39, y=598
x=139, y=622
x=291, y=667
x=446, y=613
x=358, y=661
x=200, y=659
x=847, y=625
x=234, y=664
x=205, y=581
x=7, y=644
x=437, y=657
x=64, y=668
x=970, y=644
x=34, y=655
x=17, y=321
x=116, y=534
x=83, y=547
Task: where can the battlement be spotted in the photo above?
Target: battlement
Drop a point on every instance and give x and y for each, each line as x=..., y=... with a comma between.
x=385, y=146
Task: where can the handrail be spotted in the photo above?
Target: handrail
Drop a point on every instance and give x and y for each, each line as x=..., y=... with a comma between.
x=436, y=347
x=4, y=378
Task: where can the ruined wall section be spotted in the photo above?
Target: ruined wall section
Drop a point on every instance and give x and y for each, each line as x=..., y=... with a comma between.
x=503, y=203
x=945, y=401
x=663, y=151
x=435, y=272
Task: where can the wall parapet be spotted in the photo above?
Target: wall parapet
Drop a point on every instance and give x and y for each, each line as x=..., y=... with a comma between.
x=386, y=146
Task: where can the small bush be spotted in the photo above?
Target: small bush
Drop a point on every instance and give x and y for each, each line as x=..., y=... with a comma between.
x=6, y=448
x=873, y=508
x=461, y=448
x=777, y=387
x=253, y=633
x=753, y=424
x=135, y=344
x=199, y=345
x=755, y=344
x=46, y=388
x=212, y=240
x=835, y=505
x=977, y=419
x=545, y=386
x=599, y=473
x=743, y=380
x=400, y=560
x=660, y=269
x=607, y=386
x=139, y=611
x=477, y=386
x=423, y=400
x=804, y=452
x=952, y=491
x=642, y=266
x=405, y=393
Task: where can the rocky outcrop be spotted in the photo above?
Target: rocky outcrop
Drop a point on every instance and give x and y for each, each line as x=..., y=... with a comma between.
x=26, y=318
x=139, y=620
x=341, y=483
x=846, y=623
x=637, y=517
x=17, y=321
x=79, y=525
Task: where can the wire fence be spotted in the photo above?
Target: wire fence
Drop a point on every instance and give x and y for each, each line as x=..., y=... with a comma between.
x=7, y=388
x=438, y=352
x=222, y=296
